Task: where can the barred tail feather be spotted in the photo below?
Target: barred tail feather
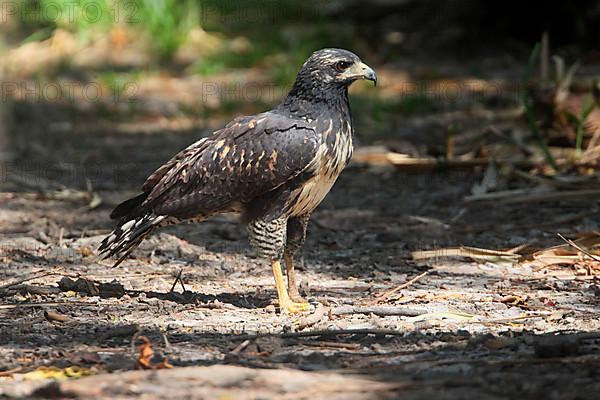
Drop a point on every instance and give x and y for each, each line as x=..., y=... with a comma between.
x=128, y=236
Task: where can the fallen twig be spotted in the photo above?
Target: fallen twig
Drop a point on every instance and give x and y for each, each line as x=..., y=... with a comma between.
x=241, y=347
x=10, y=372
x=32, y=289
x=178, y=279
x=326, y=332
x=36, y=275
x=347, y=346
x=569, y=253
x=380, y=311
x=427, y=163
x=50, y=304
x=466, y=251
x=385, y=295
x=576, y=246
x=54, y=316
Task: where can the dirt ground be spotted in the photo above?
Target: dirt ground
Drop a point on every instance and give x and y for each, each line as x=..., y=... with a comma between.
x=462, y=329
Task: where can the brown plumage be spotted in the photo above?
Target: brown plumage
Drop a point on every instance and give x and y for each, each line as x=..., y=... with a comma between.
x=274, y=168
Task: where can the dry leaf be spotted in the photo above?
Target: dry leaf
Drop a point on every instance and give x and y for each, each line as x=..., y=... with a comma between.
x=56, y=316
x=146, y=353
x=513, y=300
x=57, y=373
x=86, y=251
x=164, y=364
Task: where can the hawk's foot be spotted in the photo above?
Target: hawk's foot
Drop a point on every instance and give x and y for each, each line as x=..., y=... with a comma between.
x=295, y=296
x=292, y=307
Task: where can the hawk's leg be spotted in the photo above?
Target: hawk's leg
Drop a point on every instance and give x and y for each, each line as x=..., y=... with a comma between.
x=296, y=233
x=285, y=303
x=269, y=239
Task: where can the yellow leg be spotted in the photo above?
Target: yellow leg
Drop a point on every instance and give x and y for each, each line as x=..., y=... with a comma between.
x=291, y=278
x=285, y=303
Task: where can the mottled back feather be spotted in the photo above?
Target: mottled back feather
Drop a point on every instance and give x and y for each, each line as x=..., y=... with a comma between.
x=248, y=158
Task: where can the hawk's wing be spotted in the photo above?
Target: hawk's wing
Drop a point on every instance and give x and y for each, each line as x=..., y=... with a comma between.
x=248, y=158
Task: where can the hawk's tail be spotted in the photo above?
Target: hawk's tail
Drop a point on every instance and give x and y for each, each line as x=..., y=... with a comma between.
x=127, y=236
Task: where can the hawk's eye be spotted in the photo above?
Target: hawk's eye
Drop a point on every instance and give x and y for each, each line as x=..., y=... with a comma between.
x=341, y=66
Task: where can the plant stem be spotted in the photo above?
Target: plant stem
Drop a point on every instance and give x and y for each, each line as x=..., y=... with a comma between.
x=526, y=100
x=588, y=106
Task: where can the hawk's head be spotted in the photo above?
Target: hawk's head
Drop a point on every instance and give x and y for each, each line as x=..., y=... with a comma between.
x=328, y=72
x=336, y=67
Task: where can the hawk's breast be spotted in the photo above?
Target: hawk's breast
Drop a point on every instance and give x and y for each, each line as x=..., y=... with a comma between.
x=332, y=157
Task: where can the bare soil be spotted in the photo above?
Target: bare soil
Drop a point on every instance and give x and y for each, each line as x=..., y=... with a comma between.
x=490, y=330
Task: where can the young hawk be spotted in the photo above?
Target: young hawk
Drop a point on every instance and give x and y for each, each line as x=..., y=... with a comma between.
x=274, y=168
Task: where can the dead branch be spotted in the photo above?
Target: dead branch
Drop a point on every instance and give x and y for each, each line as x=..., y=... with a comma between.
x=57, y=317
x=380, y=311
x=466, y=251
x=239, y=348
x=48, y=304
x=36, y=275
x=576, y=246
x=326, y=332
x=385, y=295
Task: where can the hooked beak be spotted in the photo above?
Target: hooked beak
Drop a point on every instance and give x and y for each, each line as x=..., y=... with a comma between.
x=368, y=73
x=361, y=71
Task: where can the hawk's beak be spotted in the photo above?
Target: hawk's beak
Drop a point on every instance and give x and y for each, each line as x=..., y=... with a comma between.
x=368, y=73
x=361, y=71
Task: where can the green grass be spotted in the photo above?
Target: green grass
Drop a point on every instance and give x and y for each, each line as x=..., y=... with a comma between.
x=281, y=54
x=165, y=22
x=80, y=16
x=286, y=28
x=210, y=66
x=119, y=83
x=578, y=121
x=280, y=35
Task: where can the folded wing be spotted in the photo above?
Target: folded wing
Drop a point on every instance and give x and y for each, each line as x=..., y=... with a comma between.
x=251, y=156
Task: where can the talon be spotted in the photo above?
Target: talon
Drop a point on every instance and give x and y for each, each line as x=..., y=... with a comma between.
x=286, y=305
x=292, y=307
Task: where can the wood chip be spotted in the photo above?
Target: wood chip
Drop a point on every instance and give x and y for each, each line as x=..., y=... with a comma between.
x=56, y=317
x=465, y=251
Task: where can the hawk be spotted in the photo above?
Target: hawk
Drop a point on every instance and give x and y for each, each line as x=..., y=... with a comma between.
x=273, y=168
